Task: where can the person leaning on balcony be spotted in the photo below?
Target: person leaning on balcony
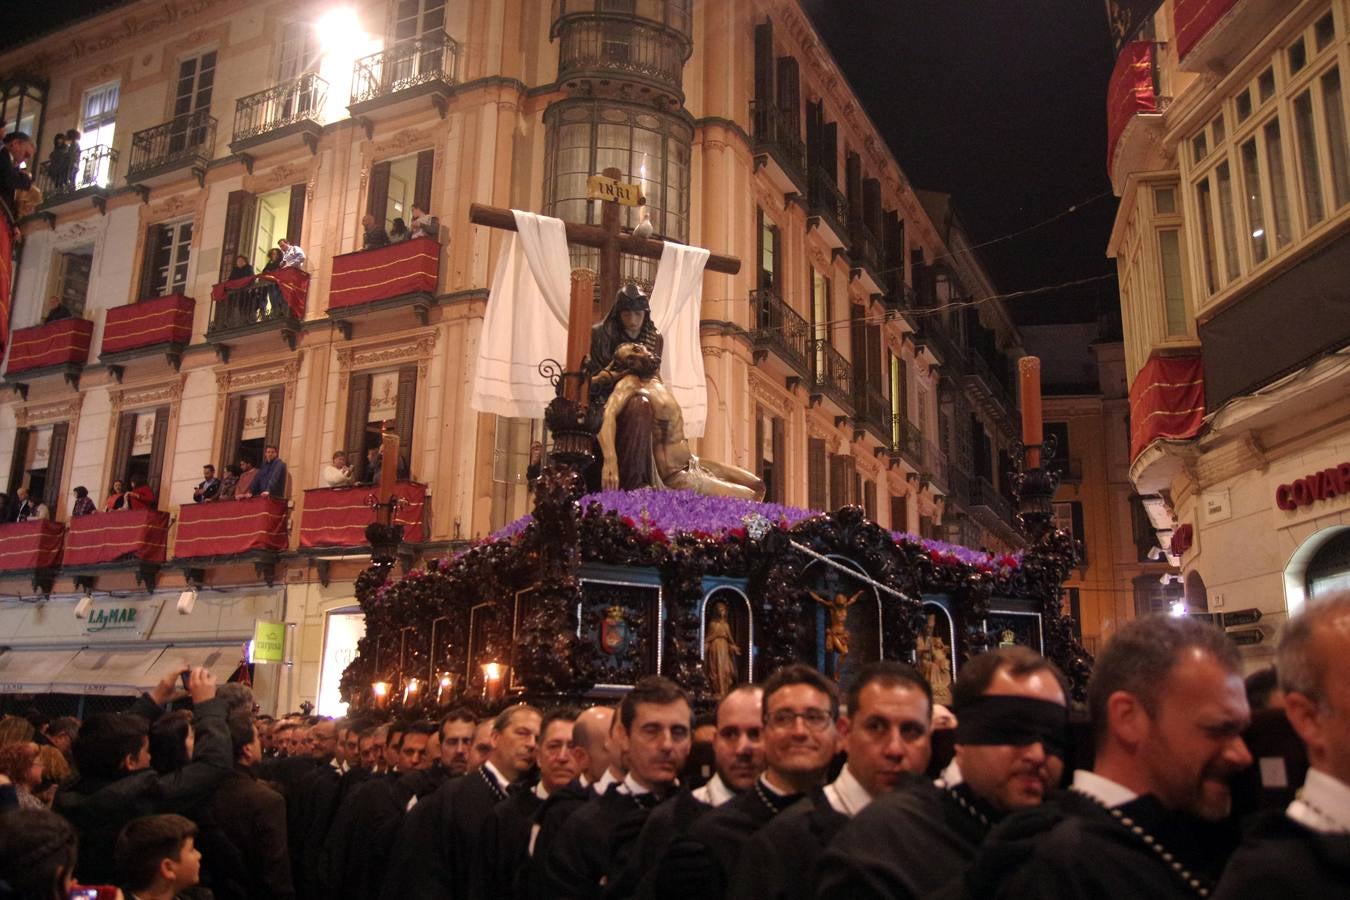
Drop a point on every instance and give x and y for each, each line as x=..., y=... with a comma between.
x=18, y=150
x=292, y=257
x=58, y=162
x=271, y=478
x=241, y=268
x=247, y=473
x=56, y=310
x=29, y=508
x=229, y=483
x=375, y=236
x=139, y=496
x=209, y=489
x=337, y=473
x=424, y=225
x=273, y=260
x=117, y=497
x=83, y=505
x=398, y=231
x=73, y=154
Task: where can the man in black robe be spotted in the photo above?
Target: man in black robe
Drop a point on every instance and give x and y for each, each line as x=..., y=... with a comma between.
x=885, y=733
x=654, y=734
x=1304, y=851
x=800, y=709
x=506, y=836
x=1168, y=708
x=738, y=760
x=918, y=839
x=437, y=845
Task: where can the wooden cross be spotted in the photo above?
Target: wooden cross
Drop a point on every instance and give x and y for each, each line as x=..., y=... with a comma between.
x=611, y=242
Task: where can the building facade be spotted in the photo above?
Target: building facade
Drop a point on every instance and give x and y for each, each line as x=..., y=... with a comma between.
x=843, y=362
x=1228, y=148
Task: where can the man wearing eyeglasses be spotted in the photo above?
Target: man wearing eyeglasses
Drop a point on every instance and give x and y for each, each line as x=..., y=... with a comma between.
x=654, y=733
x=885, y=732
x=800, y=709
x=921, y=837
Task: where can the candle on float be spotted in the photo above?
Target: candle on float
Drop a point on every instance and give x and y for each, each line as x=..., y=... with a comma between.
x=389, y=451
x=1029, y=372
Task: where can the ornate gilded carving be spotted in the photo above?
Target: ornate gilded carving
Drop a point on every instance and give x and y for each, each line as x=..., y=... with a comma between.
x=44, y=413
x=147, y=395
x=285, y=373
x=371, y=356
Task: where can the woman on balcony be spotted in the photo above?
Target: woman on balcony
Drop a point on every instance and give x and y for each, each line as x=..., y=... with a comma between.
x=83, y=505
x=241, y=268
x=117, y=497
x=398, y=231
x=140, y=496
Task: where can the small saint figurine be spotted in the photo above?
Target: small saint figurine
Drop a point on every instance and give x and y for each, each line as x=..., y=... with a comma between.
x=935, y=661
x=836, y=635
x=720, y=651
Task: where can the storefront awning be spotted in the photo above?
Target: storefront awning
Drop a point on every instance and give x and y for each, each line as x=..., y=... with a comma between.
x=103, y=670
x=31, y=671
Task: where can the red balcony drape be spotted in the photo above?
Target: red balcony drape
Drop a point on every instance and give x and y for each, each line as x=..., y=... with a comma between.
x=62, y=342
x=133, y=534
x=35, y=544
x=225, y=527
x=407, y=267
x=1129, y=92
x=1194, y=19
x=163, y=320
x=1167, y=400
x=293, y=283
x=337, y=517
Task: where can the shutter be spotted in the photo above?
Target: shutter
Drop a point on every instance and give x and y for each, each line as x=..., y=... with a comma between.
x=153, y=477
x=870, y=499
x=56, y=463
x=829, y=149
x=857, y=332
x=426, y=164
x=295, y=218
x=904, y=389
x=126, y=436
x=403, y=415
x=276, y=405
x=377, y=201
x=147, y=289
x=871, y=195
x=17, y=461
x=817, y=479
x=779, y=461
x=873, y=370
x=759, y=443
x=854, y=189
x=899, y=514
x=759, y=248
x=238, y=209
x=790, y=94
x=813, y=128
x=358, y=407
x=779, y=288
x=1075, y=507
x=764, y=63
x=234, y=428
x=839, y=481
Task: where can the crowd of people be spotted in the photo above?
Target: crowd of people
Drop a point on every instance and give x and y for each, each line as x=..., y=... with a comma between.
x=801, y=791
x=243, y=480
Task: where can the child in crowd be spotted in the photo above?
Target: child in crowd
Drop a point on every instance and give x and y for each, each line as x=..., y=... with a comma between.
x=156, y=859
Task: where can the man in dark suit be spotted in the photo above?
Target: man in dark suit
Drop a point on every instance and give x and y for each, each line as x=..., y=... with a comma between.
x=209, y=488
x=243, y=827
x=437, y=845
x=271, y=478
x=18, y=150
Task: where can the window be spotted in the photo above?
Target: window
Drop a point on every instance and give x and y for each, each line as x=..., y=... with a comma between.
x=1069, y=519
x=1333, y=108
x=1060, y=460
x=138, y=453
x=817, y=483
x=820, y=317
x=1298, y=56
x=297, y=55
x=192, y=102
x=899, y=400
x=770, y=461
x=1164, y=201
x=1311, y=179
x=1324, y=32
x=1152, y=598
x=254, y=224
x=869, y=498
x=1251, y=190
x=418, y=18
x=272, y=213
x=252, y=421
x=397, y=185
x=38, y=462
x=1203, y=200
x=167, y=252
x=1227, y=222
x=98, y=123
x=1265, y=85
x=900, y=514
x=374, y=399
x=70, y=278
x=1279, y=193
x=1174, y=298
x=842, y=477
x=1243, y=105
x=768, y=254
x=510, y=459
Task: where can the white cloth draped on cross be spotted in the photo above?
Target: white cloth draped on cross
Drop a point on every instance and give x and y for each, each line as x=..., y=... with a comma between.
x=526, y=323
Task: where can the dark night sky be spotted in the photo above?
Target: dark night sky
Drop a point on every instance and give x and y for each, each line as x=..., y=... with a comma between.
x=1002, y=104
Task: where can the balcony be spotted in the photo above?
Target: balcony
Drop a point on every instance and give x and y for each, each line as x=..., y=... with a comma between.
x=373, y=282
x=872, y=413
x=780, y=329
x=986, y=386
x=391, y=82
x=160, y=154
x=232, y=531
x=59, y=347
x=931, y=337
x=907, y=444
x=258, y=305
x=899, y=296
x=935, y=468
x=865, y=259
x=993, y=509
x=621, y=54
x=284, y=114
x=134, y=538
x=89, y=179
x=1214, y=35
x=827, y=209
x=778, y=147
x=162, y=325
x=31, y=548
x=831, y=375
x=1134, y=109
x=674, y=16
x=336, y=518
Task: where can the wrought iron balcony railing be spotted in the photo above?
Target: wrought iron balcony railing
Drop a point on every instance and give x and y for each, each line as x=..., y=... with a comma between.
x=831, y=374
x=935, y=463
x=778, y=326
x=406, y=65
x=93, y=169
x=872, y=410
x=181, y=140
x=773, y=130
x=907, y=441
x=245, y=307
x=620, y=48
x=983, y=493
x=289, y=103
x=863, y=247
x=673, y=15
x=825, y=198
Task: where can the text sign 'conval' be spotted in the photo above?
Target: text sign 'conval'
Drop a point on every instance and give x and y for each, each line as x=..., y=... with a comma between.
x=598, y=187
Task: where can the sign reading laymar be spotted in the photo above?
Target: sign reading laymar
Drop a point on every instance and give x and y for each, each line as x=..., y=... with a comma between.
x=269, y=642
x=1309, y=489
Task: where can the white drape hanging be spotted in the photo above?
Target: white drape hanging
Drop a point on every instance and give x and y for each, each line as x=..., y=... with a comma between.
x=677, y=306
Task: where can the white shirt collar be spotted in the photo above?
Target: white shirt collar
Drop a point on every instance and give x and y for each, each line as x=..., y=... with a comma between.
x=492, y=770
x=541, y=791
x=951, y=776
x=601, y=786
x=764, y=780
x=632, y=788
x=846, y=794
x=715, y=792
x=1105, y=791
x=584, y=780
x=1323, y=804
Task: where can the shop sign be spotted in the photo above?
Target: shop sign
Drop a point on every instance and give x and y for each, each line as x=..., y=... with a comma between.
x=114, y=618
x=1306, y=491
x=269, y=642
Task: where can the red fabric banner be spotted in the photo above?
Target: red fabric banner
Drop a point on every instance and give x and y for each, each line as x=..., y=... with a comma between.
x=1193, y=20
x=337, y=517
x=6, y=277
x=407, y=267
x=163, y=320
x=1128, y=93
x=35, y=544
x=1167, y=400
x=226, y=527
x=62, y=342
x=293, y=283
x=128, y=534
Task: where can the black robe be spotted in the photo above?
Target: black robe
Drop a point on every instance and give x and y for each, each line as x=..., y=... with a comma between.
x=666, y=823
x=779, y=861
x=505, y=847
x=1281, y=858
x=1086, y=852
x=592, y=846
x=909, y=843
x=437, y=843
x=550, y=817
x=703, y=861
